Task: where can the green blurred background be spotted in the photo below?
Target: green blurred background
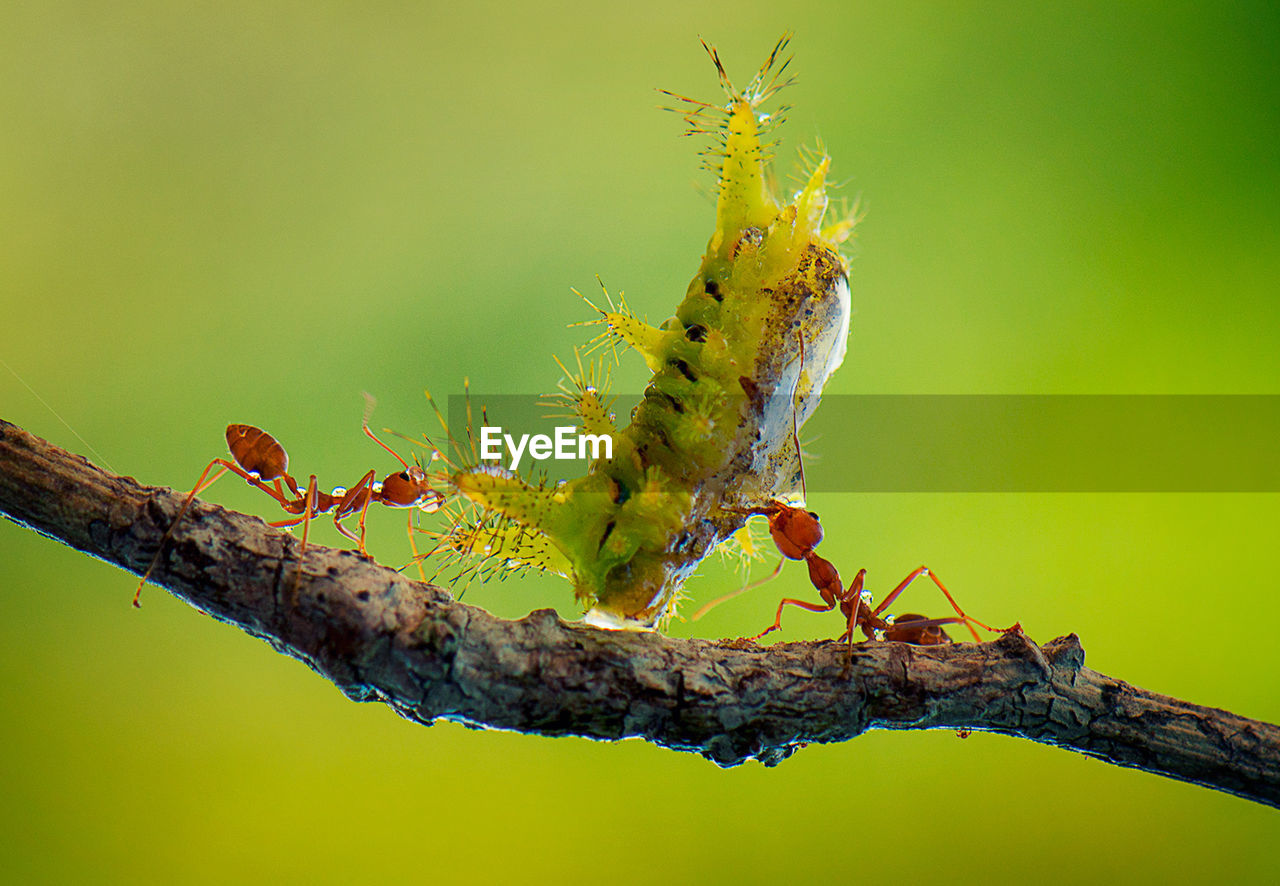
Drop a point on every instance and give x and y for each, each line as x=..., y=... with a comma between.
x=248, y=213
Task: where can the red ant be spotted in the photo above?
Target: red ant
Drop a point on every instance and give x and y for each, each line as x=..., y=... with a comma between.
x=259, y=458
x=855, y=605
x=797, y=532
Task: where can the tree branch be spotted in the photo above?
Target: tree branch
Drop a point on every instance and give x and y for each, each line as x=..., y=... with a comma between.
x=379, y=636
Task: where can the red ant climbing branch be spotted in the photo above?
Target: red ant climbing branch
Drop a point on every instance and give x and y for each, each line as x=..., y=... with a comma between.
x=260, y=460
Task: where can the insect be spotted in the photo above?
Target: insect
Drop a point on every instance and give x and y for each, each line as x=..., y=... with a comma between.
x=855, y=605
x=796, y=533
x=260, y=460
x=713, y=431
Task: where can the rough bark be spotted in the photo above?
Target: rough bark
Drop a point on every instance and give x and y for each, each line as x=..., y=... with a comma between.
x=380, y=636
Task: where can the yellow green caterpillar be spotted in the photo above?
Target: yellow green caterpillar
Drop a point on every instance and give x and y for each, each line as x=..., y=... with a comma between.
x=739, y=366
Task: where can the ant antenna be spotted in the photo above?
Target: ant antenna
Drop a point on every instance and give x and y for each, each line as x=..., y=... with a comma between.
x=795, y=391
x=369, y=402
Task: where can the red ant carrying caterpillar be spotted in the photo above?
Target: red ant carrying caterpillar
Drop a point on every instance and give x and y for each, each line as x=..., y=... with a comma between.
x=797, y=532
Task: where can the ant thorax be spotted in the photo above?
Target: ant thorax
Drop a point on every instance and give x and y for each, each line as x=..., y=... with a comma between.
x=737, y=370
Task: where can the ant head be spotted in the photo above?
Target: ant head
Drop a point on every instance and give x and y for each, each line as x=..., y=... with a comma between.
x=804, y=528
x=410, y=488
x=795, y=532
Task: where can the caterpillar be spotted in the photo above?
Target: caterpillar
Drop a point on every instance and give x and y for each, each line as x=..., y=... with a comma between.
x=736, y=371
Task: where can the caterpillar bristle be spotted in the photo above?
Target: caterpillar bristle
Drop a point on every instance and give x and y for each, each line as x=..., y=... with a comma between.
x=715, y=60
x=757, y=90
x=681, y=97
x=452, y=443
x=850, y=216
x=743, y=548
x=478, y=544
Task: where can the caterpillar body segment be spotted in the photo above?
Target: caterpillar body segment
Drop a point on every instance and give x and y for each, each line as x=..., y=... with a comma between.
x=737, y=369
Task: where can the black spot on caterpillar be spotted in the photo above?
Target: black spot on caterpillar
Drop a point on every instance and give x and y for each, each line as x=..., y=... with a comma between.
x=683, y=368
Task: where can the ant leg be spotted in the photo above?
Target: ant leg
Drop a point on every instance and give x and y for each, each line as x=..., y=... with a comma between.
x=902, y=586
x=961, y=612
x=273, y=490
x=200, y=484
x=308, y=512
x=777, y=621
x=308, y=509
x=293, y=487
x=742, y=590
x=201, y=487
x=364, y=512
x=348, y=505
x=969, y=621
x=856, y=618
